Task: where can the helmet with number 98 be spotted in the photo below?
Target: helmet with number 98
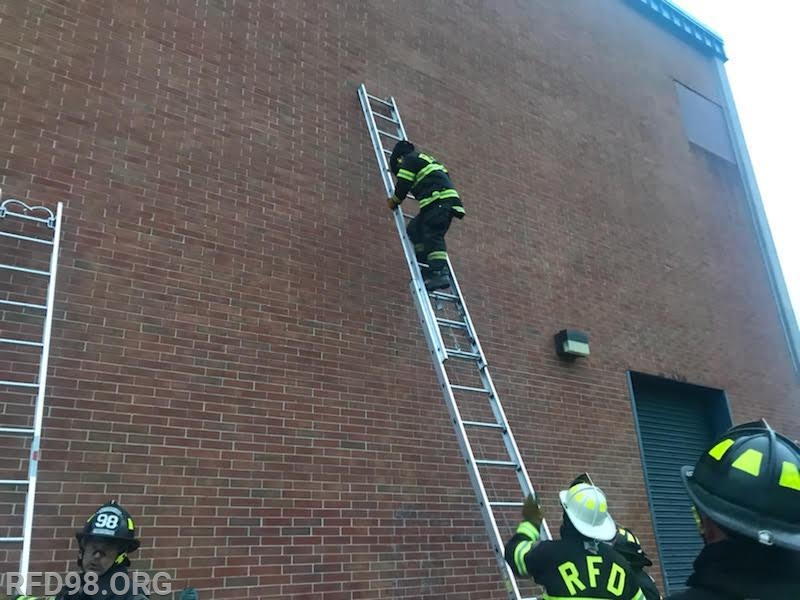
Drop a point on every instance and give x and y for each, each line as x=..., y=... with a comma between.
x=111, y=522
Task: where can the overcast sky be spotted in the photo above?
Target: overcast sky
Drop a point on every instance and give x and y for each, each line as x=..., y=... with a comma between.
x=762, y=67
x=763, y=71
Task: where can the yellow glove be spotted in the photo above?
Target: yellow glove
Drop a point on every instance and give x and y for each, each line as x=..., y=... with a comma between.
x=392, y=202
x=531, y=511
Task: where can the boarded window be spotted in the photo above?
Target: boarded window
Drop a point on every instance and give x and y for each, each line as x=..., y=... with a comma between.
x=704, y=123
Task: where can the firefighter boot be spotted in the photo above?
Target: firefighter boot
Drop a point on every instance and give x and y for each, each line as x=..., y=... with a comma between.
x=437, y=280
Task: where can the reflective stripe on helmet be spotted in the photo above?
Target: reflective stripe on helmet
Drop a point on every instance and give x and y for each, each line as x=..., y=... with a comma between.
x=720, y=449
x=749, y=461
x=790, y=477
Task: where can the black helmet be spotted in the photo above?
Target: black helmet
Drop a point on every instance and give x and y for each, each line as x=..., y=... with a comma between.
x=749, y=482
x=111, y=521
x=401, y=148
x=627, y=544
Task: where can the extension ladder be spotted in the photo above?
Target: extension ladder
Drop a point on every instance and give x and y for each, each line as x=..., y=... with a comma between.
x=462, y=360
x=25, y=230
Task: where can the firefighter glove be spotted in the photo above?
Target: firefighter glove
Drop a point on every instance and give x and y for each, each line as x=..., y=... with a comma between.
x=392, y=202
x=531, y=511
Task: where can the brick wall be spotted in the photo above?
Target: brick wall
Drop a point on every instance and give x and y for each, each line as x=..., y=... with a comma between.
x=235, y=355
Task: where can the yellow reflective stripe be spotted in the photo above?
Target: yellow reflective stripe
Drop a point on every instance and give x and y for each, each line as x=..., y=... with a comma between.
x=131, y=526
x=459, y=209
x=749, y=462
x=528, y=529
x=520, y=552
x=442, y=195
x=425, y=171
x=720, y=449
x=790, y=477
x=405, y=174
x=546, y=596
x=426, y=158
x=437, y=255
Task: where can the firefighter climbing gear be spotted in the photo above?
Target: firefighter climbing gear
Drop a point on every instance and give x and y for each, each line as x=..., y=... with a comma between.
x=424, y=176
x=426, y=231
x=749, y=482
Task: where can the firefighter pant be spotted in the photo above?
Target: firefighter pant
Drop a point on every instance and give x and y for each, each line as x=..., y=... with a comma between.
x=426, y=231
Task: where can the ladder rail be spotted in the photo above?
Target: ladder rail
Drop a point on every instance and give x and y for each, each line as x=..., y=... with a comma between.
x=432, y=329
x=496, y=539
x=33, y=463
x=499, y=414
x=52, y=221
x=511, y=447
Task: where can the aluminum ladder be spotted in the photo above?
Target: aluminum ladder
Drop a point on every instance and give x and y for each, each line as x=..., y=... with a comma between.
x=24, y=230
x=450, y=362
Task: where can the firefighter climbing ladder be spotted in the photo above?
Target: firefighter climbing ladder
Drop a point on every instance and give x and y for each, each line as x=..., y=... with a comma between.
x=14, y=215
x=385, y=111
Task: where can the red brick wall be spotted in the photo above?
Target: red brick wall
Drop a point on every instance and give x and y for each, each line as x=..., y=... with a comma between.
x=235, y=353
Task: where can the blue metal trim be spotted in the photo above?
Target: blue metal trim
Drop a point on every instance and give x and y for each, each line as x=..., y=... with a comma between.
x=677, y=22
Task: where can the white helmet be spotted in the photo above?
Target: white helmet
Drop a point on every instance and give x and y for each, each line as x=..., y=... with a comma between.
x=587, y=509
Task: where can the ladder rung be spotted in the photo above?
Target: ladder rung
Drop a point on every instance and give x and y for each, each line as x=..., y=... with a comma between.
x=484, y=424
x=385, y=118
x=25, y=270
x=13, y=482
x=384, y=102
x=19, y=384
x=495, y=463
x=462, y=354
x=510, y=504
x=25, y=304
x=20, y=342
x=12, y=539
x=26, y=238
x=387, y=134
x=466, y=388
x=443, y=296
x=16, y=430
x=451, y=323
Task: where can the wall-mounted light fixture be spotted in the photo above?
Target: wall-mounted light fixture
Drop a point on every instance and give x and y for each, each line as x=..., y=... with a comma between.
x=571, y=343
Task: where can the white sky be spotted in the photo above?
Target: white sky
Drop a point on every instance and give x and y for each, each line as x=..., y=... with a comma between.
x=764, y=72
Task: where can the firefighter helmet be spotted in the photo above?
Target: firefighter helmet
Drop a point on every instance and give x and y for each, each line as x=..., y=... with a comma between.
x=749, y=483
x=400, y=149
x=627, y=544
x=587, y=509
x=111, y=521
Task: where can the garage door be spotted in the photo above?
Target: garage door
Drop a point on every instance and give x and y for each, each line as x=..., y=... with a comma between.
x=676, y=423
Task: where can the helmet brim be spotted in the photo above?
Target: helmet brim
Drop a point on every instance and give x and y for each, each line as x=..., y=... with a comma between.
x=604, y=532
x=129, y=545
x=738, y=519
